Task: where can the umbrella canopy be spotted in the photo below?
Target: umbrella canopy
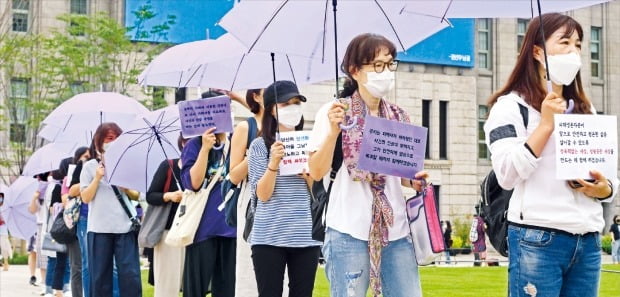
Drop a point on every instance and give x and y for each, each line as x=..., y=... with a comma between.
x=493, y=9
x=132, y=159
x=48, y=157
x=80, y=116
x=225, y=63
x=20, y=222
x=305, y=28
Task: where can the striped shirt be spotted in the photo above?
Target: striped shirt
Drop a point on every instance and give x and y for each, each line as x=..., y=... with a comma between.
x=284, y=220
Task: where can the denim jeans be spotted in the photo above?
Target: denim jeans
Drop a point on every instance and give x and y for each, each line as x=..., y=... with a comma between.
x=615, y=251
x=83, y=241
x=546, y=263
x=348, y=267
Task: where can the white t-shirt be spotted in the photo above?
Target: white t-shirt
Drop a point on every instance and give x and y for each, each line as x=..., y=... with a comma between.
x=543, y=200
x=350, y=203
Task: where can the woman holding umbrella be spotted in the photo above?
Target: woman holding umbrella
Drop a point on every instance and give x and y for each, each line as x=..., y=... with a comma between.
x=110, y=239
x=359, y=200
x=553, y=232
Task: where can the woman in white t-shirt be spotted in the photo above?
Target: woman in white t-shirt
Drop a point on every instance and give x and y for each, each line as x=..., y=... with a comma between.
x=360, y=200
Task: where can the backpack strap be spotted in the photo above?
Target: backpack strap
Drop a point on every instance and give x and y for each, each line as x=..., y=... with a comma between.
x=252, y=130
x=168, y=176
x=336, y=160
x=524, y=114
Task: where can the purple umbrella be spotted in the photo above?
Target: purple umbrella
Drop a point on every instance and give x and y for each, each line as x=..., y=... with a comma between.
x=20, y=222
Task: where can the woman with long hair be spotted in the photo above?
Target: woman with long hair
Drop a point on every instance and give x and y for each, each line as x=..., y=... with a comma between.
x=554, y=225
x=281, y=234
x=110, y=239
x=368, y=240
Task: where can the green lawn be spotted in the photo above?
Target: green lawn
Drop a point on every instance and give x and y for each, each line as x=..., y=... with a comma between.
x=457, y=281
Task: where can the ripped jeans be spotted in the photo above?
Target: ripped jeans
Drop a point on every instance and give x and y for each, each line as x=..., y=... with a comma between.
x=348, y=267
x=547, y=263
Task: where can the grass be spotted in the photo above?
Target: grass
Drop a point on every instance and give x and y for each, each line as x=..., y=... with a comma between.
x=456, y=282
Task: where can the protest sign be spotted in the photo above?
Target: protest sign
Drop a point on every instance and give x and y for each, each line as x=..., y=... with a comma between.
x=583, y=143
x=196, y=116
x=392, y=147
x=296, y=152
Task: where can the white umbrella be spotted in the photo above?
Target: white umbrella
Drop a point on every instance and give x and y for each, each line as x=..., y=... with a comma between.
x=83, y=113
x=493, y=9
x=48, y=157
x=132, y=159
x=20, y=222
x=225, y=63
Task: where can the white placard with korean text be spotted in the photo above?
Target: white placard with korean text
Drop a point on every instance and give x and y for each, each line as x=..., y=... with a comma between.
x=585, y=142
x=296, y=152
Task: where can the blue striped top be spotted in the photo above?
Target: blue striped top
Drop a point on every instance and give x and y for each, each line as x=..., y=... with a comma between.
x=284, y=220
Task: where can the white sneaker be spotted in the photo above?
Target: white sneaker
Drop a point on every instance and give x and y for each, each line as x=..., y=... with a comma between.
x=68, y=294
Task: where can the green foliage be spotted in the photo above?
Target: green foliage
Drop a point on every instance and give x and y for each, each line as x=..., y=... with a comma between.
x=460, y=229
x=606, y=244
x=457, y=242
x=19, y=259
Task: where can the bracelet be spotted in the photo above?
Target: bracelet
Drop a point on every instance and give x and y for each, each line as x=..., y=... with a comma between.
x=273, y=170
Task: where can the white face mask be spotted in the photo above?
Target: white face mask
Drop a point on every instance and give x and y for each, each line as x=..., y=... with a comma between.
x=290, y=115
x=106, y=146
x=380, y=84
x=563, y=68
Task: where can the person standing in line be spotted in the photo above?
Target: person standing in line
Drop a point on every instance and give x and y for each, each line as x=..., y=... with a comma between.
x=447, y=237
x=553, y=231
x=110, y=239
x=615, y=240
x=5, y=244
x=167, y=260
x=368, y=240
x=281, y=236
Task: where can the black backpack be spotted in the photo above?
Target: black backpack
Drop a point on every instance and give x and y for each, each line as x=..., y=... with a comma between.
x=494, y=202
x=320, y=196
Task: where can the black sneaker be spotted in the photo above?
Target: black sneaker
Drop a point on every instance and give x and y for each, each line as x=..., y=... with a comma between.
x=33, y=280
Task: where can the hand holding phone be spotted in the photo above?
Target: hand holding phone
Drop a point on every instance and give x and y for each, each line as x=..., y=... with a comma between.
x=575, y=184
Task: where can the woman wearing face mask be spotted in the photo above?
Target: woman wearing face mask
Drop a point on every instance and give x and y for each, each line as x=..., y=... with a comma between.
x=553, y=239
x=281, y=235
x=367, y=227
x=110, y=241
x=210, y=259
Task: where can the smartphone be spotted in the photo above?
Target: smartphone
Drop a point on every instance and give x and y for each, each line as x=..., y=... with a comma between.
x=574, y=184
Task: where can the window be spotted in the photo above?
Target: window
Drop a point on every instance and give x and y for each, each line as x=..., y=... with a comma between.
x=18, y=111
x=426, y=122
x=483, y=150
x=443, y=130
x=79, y=7
x=521, y=29
x=77, y=87
x=484, y=43
x=437, y=190
x=20, y=15
x=595, y=51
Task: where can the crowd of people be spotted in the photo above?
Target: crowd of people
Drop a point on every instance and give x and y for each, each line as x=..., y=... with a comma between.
x=554, y=227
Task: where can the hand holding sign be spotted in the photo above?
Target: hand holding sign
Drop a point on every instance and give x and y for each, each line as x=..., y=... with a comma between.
x=295, y=158
x=275, y=156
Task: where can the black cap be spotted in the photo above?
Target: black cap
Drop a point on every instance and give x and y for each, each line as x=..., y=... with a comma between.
x=286, y=90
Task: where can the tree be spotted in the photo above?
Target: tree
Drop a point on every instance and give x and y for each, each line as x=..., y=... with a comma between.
x=91, y=52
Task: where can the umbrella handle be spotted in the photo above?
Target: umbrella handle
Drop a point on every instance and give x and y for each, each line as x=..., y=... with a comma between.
x=219, y=147
x=571, y=106
x=349, y=126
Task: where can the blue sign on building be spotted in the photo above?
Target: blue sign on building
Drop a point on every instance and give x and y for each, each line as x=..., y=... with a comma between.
x=452, y=46
x=197, y=20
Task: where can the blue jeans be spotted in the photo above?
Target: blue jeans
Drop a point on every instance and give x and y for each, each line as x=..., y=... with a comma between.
x=348, y=267
x=546, y=263
x=615, y=251
x=83, y=241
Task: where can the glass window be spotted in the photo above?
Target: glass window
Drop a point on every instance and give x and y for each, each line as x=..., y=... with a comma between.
x=483, y=150
x=484, y=43
x=20, y=15
x=426, y=122
x=595, y=52
x=521, y=29
x=443, y=130
x=79, y=7
x=18, y=109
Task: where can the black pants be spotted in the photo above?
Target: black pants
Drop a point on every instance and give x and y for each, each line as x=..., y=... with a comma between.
x=211, y=261
x=60, y=269
x=270, y=263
